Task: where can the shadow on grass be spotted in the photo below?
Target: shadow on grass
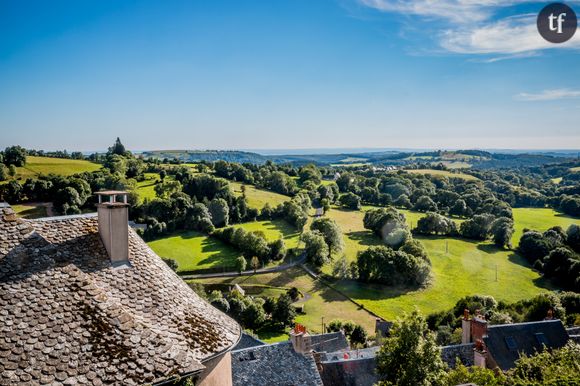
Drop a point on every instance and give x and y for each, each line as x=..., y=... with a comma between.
x=541, y=282
x=364, y=238
x=564, y=215
x=490, y=248
x=220, y=253
x=367, y=291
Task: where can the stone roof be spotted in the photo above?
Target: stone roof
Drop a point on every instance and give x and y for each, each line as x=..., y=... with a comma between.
x=505, y=342
x=274, y=364
x=247, y=341
x=330, y=342
x=67, y=316
x=464, y=352
x=356, y=372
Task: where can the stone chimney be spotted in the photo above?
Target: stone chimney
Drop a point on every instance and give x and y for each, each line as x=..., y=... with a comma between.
x=113, y=211
x=465, y=327
x=300, y=339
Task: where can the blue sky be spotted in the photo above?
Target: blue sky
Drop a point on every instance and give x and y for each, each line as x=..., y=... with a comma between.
x=220, y=74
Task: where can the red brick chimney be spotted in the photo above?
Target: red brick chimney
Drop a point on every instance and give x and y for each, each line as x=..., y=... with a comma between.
x=478, y=327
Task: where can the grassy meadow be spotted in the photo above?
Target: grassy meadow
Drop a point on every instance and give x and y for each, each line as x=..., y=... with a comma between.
x=194, y=250
x=540, y=219
x=460, y=267
x=444, y=173
x=146, y=188
x=48, y=165
x=257, y=198
x=273, y=230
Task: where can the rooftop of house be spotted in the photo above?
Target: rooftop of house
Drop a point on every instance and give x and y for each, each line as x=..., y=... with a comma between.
x=247, y=341
x=505, y=342
x=330, y=342
x=274, y=364
x=67, y=315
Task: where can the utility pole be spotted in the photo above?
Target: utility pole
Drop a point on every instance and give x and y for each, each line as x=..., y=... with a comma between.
x=496, y=272
x=322, y=325
x=446, y=246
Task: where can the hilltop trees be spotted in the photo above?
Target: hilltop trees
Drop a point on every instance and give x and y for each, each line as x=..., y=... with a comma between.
x=118, y=148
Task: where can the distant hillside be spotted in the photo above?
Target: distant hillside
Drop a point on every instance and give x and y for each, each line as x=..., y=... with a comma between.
x=207, y=155
x=459, y=159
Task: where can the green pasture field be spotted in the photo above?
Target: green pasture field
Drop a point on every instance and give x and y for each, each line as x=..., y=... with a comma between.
x=194, y=250
x=257, y=198
x=48, y=165
x=444, y=173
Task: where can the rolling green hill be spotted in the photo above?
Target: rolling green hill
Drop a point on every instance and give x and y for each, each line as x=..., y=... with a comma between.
x=47, y=165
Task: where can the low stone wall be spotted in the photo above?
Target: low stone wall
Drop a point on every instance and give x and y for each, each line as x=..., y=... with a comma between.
x=464, y=352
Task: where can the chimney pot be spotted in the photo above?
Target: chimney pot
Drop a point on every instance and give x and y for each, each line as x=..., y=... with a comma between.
x=113, y=225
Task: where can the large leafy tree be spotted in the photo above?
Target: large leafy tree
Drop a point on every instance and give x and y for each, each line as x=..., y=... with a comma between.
x=410, y=356
x=317, y=250
x=15, y=155
x=382, y=264
x=284, y=312
x=502, y=230
x=331, y=232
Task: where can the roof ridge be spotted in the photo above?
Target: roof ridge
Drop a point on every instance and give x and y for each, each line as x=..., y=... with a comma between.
x=524, y=323
x=63, y=218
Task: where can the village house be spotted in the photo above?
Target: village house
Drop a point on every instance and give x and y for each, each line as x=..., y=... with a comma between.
x=83, y=300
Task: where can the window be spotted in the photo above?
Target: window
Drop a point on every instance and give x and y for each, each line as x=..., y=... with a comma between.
x=541, y=338
x=511, y=343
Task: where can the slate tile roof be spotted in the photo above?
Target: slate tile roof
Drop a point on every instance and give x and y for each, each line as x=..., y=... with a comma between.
x=68, y=317
x=330, y=342
x=274, y=364
x=247, y=341
x=505, y=342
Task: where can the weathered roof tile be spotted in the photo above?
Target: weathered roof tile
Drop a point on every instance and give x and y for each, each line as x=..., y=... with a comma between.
x=68, y=317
